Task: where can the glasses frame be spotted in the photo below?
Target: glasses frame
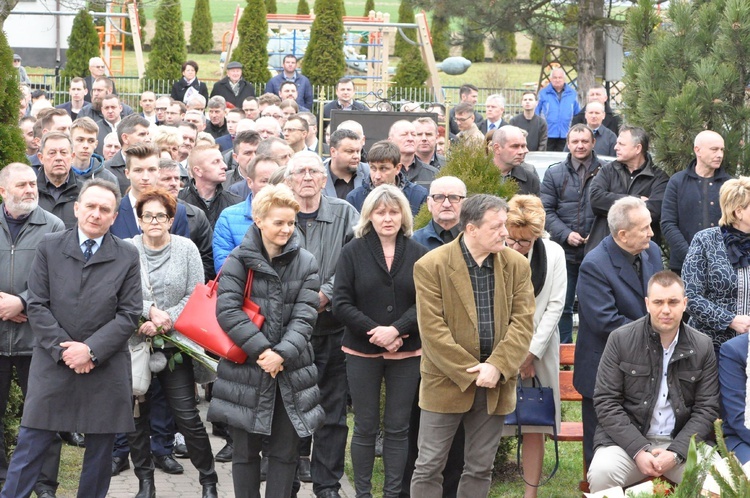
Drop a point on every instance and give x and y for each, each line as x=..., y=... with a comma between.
x=452, y=198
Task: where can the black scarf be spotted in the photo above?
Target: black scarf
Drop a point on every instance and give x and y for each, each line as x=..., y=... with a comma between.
x=738, y=246
x=538, y=266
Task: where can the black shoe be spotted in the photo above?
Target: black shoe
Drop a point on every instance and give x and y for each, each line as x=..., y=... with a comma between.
x=180, y=451
x=329, y=493
x=73, y=439
x=263, y=467
x=119, y=464
x=146, y=488
x=220, y=431
x=45, y=494
x=303, y=469
x=225, y=454
x=209, y=491
x=168, y=464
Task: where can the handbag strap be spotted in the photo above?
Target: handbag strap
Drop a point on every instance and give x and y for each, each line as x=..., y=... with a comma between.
x=535, y=382
x=249, y=284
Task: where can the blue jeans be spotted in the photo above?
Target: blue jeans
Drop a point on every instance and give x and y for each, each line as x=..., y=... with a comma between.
x=401, y=380
x=566, y=320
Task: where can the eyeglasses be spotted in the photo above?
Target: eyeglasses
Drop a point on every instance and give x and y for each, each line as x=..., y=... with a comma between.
x=520, y=243
x=463, y=120
x=275, y=116
x=149, y=218
x=452, y=198
x=162, y=109
x=301, y=173
x=100, y=67
x=289, y=130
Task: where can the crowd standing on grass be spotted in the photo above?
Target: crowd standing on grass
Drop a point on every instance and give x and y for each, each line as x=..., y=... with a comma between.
x=121, y=212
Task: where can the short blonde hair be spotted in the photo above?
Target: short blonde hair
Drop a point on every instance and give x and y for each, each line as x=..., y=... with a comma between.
x=526, y=211
x=390, y=196
x=734, y=195
x=198, y=150
x=272, y=196
x=167, y=136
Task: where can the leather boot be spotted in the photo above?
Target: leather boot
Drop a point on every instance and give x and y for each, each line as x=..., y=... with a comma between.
x=146, y=488
x=209, y=491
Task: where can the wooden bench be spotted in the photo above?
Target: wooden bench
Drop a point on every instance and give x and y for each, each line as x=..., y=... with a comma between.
x=571, y=431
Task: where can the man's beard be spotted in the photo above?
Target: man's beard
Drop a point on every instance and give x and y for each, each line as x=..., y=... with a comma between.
x=21, y=207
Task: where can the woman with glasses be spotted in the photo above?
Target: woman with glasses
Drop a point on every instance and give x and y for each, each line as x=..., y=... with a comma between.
x=171, y=267
x=375, y=298
x=549, y=277
x=186, y=87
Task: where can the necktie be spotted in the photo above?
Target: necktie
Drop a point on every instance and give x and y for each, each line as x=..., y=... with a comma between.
x=492, y=126
x=87, y=253
x=637, y=266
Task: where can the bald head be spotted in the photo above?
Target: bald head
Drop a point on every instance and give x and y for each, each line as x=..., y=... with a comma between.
x=709, y=152
x=446, y=196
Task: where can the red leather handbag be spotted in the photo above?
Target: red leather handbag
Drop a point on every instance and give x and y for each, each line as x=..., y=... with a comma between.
x=198, y=320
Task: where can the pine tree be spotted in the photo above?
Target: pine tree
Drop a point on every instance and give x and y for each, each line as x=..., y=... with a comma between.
x=168, y=50
x=324, y=62
x=411, y=71
x=503, y=46
x=201, y=32
x=536, y=54
x=271, y=7
x=473, y=43
x=405, y=15
x=689, y=76
x=441, y=36
x=252, y=51
x=369, y=5
x=12, y=145
x=83, y=44
x=303, y=8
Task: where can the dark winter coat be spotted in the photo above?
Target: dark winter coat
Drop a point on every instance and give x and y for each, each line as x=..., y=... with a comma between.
x=179, y=89
x=286, y=289
x=224, y=89
x=626, y=393
x=613, y=182
x=222, y=199
x=415, y=194
x=15, y=265
x=98, y=303
x=62, y=207
x=566, y=201
x=367, y=295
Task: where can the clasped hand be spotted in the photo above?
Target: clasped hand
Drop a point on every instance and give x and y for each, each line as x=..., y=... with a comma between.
x=656, y=462
x=386, y=337
x=76, y=356
x=271, y=362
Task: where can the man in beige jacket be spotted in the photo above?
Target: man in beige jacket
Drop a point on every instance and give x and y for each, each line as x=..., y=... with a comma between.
x=475, y=305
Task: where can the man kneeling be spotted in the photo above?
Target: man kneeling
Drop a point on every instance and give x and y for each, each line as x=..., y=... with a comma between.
x=657, y=385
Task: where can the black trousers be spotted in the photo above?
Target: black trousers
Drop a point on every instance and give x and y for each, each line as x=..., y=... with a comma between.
x=282, y=451
x=30, y=453
x=179, y=390
x=161, y=422
x=48, y=476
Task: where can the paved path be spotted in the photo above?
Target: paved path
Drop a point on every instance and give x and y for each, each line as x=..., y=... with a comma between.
x=186, y=485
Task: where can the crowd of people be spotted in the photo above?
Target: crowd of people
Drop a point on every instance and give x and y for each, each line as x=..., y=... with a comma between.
x=424, y=332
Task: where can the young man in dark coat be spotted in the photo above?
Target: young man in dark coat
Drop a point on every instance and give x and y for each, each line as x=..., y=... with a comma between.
x=84, y=303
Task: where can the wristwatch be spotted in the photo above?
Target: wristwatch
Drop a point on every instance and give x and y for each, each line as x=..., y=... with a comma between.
x=93, y=357
x=677, y=458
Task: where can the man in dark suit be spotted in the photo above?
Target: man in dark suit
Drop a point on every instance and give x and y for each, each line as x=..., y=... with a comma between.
x=77, y=91
x=344, y=100
x=131, y=130
x=612, y=285
x=84, y=301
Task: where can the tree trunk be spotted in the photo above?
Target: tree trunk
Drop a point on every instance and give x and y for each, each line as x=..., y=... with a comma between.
x=586, y=47
x=5, y=7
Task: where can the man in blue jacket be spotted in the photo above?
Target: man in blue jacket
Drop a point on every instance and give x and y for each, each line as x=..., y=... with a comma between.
x=558, y=103
x=289, y=73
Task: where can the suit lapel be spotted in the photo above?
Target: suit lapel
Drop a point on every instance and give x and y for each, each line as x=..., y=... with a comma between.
x=126, y=210
x=625, y=270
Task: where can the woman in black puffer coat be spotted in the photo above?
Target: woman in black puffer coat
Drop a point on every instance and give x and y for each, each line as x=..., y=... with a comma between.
x=274, y=393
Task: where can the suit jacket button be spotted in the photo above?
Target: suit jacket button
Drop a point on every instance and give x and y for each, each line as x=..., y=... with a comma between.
x=389, y=308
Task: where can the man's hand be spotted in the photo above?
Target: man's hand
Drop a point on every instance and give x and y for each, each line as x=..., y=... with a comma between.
x=383, y=336
x=664, y=460
x=323, y=302
x=10, y=307
x=741, y=324
x=488, y=375
x=575, y=239
x=161, y=319
x=271, y=362
x=76, y=356
x=148, y=328
x=647, y=464
x=19, y=318
x=526, y=369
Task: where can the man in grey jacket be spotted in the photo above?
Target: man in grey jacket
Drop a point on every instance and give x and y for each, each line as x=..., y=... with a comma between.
x=23, y=225
x=650, y=405
x=325, y=224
